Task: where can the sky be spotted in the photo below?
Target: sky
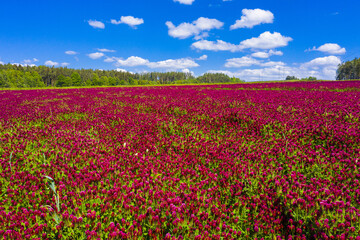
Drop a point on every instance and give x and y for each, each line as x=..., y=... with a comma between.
x=252, y=40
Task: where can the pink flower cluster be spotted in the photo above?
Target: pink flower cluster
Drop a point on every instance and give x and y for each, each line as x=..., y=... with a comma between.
x=243, y=161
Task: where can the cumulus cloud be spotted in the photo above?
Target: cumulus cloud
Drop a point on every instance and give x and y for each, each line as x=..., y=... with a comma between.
x=266, y=40
x=96, y=24
x=51, y=63
x=120, y=70
x=253, y=17
x=96, y=55
x=241, y=62
x=129, y=20
x=186, y=2
x=123, y=70
x=134, y=61
x=264, y=74
x=65, y=64
x=186, y=70
x=24, y=64
x=323, y=61
x=197, y=28
x=272, y=64
x=267, y=54
x=219, y=45
x=71, y=52
x=203, y=57
x=180, y=63
x=105, y=50
x=331, y=48
x=110, y=59
x=321, y=68
x=249, y=61
x=2, y=63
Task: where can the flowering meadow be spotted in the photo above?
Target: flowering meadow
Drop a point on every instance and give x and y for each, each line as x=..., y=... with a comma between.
x=240, y=161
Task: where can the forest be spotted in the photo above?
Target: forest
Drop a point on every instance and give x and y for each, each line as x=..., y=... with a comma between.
x=349, y=70
x=18, y=76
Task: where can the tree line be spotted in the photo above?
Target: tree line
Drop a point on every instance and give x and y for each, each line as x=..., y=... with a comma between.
x=18, y=76
x=302, y=79
x=349, y=70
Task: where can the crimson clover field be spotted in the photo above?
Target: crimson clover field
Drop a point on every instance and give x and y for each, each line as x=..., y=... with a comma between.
x=242, y=161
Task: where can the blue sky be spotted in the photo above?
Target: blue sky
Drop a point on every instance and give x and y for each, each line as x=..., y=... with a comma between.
x=252, y=40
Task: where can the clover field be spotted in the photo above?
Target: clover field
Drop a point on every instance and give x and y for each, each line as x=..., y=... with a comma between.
x=240, y=161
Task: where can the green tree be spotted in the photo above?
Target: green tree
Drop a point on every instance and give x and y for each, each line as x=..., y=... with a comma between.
x=3, y=80
x=214, y=78
x=76, y=79
x=112, y=81
x=349, y=70
x=88, y=82
x=61, y=82
x=104, y=81
x=68, y=82
x=95, y=80
x=291, y=78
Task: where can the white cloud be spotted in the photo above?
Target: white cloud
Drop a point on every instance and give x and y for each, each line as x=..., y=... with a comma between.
x=249, y=61
x=51, y=63
x=96, y=55
x=262, y=74
x=186, y=2
x=105, y=50
x=110, y=59
x=323, y=61
x=267, y=54
x=321, y=68
x=24, y=64
x=260, y=55
x=219, y=45
x=35, y=59
x=129, y=20
x=132, y=62
x=96, y=24
x=331, y=48
x=186, y=70
x=253, y=17
x=266, y=40
x=197, y=28
x=65, y=64
x=180, y=63
x=2, y=63
x=122, y=70
x=71, y=52
x=272, y=64
x=241, y=62
x=203, y=57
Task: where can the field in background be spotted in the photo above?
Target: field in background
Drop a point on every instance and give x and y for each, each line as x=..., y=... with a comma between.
x=239, y=161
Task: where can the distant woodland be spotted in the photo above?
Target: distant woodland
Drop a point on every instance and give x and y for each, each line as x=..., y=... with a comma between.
x=18, y=76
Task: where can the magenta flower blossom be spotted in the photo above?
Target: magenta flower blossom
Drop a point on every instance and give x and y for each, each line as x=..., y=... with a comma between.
x=240, y=161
